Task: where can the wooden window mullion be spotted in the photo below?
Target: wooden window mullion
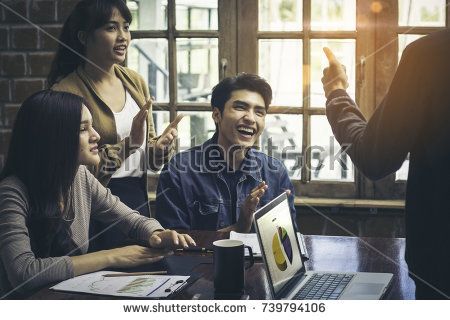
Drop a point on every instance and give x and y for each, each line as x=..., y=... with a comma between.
x=447, y=11
x=228, y=53
x=385, y=64
x=247, y=36
x=306, y=150
x=173, y=79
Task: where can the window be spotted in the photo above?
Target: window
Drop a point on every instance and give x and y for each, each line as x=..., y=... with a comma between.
x=290, y=38
x=184, y=47
x=175, y=48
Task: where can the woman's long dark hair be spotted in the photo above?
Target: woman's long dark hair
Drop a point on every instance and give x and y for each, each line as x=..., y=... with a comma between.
x=43, y=155
x=87, y=16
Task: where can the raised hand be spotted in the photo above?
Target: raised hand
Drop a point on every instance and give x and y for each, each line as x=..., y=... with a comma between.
x=249, y=206
x=137, y=132
x=334, y=77
x=169, y=135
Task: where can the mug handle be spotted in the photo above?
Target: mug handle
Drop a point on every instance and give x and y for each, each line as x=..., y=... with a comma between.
x=252, y=259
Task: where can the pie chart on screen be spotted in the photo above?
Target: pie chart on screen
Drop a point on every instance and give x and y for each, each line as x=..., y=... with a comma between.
x=282, y=248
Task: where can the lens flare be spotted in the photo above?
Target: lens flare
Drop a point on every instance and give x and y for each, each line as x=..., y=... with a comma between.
x=376, y=7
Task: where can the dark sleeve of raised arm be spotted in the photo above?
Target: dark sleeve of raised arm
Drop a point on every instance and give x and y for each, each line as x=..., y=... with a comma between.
x=379, y=147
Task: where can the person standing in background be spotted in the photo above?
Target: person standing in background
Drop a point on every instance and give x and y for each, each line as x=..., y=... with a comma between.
x=93, y=45
x=412, y=118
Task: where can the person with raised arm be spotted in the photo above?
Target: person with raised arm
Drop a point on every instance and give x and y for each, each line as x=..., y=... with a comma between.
x=412, y=118
x=92, y=48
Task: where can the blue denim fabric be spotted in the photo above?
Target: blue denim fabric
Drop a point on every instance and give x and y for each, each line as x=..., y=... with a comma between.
x=192, y=193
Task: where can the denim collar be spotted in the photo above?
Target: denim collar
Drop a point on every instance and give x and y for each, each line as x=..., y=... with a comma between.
x=251, y=165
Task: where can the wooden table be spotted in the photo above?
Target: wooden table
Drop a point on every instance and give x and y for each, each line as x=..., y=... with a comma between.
x=326, y=254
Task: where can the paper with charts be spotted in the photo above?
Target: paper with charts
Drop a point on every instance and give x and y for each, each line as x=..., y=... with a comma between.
x=143, y=286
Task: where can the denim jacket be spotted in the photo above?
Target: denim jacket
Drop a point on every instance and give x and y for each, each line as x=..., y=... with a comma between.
x=193, y=194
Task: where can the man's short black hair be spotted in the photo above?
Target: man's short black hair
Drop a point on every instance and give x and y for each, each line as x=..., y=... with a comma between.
x=243, y=81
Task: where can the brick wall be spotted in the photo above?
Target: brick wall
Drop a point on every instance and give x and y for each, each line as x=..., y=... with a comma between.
x=26, y=51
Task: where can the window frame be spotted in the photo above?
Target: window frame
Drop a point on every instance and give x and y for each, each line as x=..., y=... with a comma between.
x=371, y=84
x=304, y=186
x=376, y=46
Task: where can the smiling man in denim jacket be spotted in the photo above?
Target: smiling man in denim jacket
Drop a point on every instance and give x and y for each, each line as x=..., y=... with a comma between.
x=218, y=185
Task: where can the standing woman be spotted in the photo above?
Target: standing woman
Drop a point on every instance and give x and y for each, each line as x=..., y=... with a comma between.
x=93, y=45
x=48, y=197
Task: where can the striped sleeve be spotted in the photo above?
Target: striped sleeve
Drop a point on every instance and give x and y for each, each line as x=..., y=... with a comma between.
x=23, y=270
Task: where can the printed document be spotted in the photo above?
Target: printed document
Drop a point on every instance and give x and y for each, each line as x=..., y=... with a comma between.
x=142, y=286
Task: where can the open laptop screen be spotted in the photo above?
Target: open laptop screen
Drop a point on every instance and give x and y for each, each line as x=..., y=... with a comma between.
x=278, y=242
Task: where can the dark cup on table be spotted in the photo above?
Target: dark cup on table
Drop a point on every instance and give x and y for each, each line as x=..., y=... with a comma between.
x=229, y=268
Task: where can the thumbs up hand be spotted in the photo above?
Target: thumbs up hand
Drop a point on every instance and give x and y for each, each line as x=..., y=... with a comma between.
x=169, y=135
x=334, y=77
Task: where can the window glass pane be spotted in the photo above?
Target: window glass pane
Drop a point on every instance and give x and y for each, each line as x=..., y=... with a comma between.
x=280, y=62
x=428, y=13
x=282, y=139
x=404, y=40
x=149, y=58
x=148, y=14
x=327, y=162
x=345, y=53
x=280, y=15
x=196, y=14
x=196, y=128
x=402, y=173
x=333, y=15
x=197, y=61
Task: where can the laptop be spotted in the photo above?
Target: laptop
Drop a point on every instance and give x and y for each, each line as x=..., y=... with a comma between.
x=287, y=276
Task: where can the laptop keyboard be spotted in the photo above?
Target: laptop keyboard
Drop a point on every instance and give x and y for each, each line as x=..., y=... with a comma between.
x=326, y=286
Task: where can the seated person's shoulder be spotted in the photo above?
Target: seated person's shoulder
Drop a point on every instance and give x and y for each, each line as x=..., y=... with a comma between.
x=12, y=188
x=83, y=174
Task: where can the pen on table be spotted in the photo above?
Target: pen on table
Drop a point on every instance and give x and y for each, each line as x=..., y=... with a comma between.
x=129, y=274
x=195, y=249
